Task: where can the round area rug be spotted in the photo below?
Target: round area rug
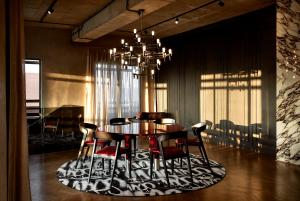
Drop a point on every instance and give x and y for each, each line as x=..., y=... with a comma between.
x=140, y=183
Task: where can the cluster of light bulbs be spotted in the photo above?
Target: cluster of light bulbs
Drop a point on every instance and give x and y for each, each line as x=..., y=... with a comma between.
x=146, y=52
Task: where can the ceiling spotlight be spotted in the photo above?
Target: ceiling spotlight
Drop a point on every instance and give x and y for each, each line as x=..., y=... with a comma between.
x=50, y=11
x=221, y=3
x=177, y=21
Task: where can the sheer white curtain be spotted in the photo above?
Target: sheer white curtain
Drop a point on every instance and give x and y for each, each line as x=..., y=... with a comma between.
x=116, y=92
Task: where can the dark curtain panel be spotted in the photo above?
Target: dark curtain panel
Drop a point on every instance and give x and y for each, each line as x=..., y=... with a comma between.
x=225, y=74
x=14, y=178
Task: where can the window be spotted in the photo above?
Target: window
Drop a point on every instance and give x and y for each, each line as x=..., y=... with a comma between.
x=117, y=93
x=32, y=79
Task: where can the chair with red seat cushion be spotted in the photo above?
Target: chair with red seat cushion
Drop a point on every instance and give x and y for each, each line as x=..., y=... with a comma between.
x=87, y=129
x=169, y=152
x=110, y=152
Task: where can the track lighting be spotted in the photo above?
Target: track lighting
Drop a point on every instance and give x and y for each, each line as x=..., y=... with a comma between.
x=221, y=3
x=177, y=21
x=50, y=11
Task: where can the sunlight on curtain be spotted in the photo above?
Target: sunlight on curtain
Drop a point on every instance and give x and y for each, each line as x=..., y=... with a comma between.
x=232, y=102
x=117, y=93
x=162, y=97
x=88, y=112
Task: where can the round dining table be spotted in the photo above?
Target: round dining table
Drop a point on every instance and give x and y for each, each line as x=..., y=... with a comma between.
x=142, y=128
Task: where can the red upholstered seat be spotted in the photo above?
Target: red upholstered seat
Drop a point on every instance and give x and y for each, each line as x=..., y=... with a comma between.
x=110, y=151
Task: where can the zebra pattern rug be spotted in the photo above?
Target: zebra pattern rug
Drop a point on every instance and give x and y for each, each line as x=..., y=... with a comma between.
x=140, y=183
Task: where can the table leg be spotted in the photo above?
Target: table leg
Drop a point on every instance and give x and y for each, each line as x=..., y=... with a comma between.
x=156, y=163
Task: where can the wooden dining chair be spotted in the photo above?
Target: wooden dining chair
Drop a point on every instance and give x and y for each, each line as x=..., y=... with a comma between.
x=50, y=123
x=197, y=141
x=109, y=152
x=122, y=121
x=170, y=152
x=87, y=131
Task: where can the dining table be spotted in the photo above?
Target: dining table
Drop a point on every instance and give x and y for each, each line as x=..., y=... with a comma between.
x=142, y=128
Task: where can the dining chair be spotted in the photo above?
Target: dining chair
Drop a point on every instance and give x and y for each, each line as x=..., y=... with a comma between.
x=167, y=152
x=87, y=131
x=109, y=152
x=197, y=141
x=50, y=123
x=122, y=121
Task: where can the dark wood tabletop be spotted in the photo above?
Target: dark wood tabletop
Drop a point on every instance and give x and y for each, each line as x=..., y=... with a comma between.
x=141, y=128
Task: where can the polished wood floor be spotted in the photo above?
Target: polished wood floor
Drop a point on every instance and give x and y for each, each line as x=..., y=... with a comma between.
x=250, y=176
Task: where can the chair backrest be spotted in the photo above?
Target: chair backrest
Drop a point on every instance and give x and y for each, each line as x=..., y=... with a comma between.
x=85, y=128
x=117, y=121
x=198, y=128
x=170, y=136
x=165, y=121
x=50, y=121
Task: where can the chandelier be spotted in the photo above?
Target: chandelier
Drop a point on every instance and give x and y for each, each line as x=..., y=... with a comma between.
x=144, y=53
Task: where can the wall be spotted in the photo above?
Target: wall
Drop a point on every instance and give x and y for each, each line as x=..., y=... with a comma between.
x=63, y=65
x=226, y=73
x=288, y=81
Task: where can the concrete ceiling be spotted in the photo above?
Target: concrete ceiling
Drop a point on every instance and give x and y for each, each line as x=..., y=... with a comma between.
x=93, y=19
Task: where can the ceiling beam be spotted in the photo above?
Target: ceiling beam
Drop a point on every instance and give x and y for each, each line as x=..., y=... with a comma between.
x=113, y=17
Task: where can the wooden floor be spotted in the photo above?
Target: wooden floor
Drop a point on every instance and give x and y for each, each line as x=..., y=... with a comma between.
x=250, y=176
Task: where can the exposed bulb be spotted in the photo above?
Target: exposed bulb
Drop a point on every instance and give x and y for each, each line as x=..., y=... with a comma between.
x=177, y=21
x=131, y=48
x=170, y=51
x=122, y=41
x=115, y=50
x=152, y=33
x=134, y=31
x=158, y=62
x=139, y=39
x=163, y=49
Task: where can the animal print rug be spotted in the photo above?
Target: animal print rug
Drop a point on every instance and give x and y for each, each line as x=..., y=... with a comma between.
x=140, y=183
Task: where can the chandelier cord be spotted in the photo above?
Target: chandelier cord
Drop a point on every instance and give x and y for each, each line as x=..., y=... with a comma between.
x=141, y=15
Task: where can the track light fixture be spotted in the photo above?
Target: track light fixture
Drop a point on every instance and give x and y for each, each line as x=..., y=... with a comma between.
x=50, y=11
x=221, y=3
x=177, y=20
